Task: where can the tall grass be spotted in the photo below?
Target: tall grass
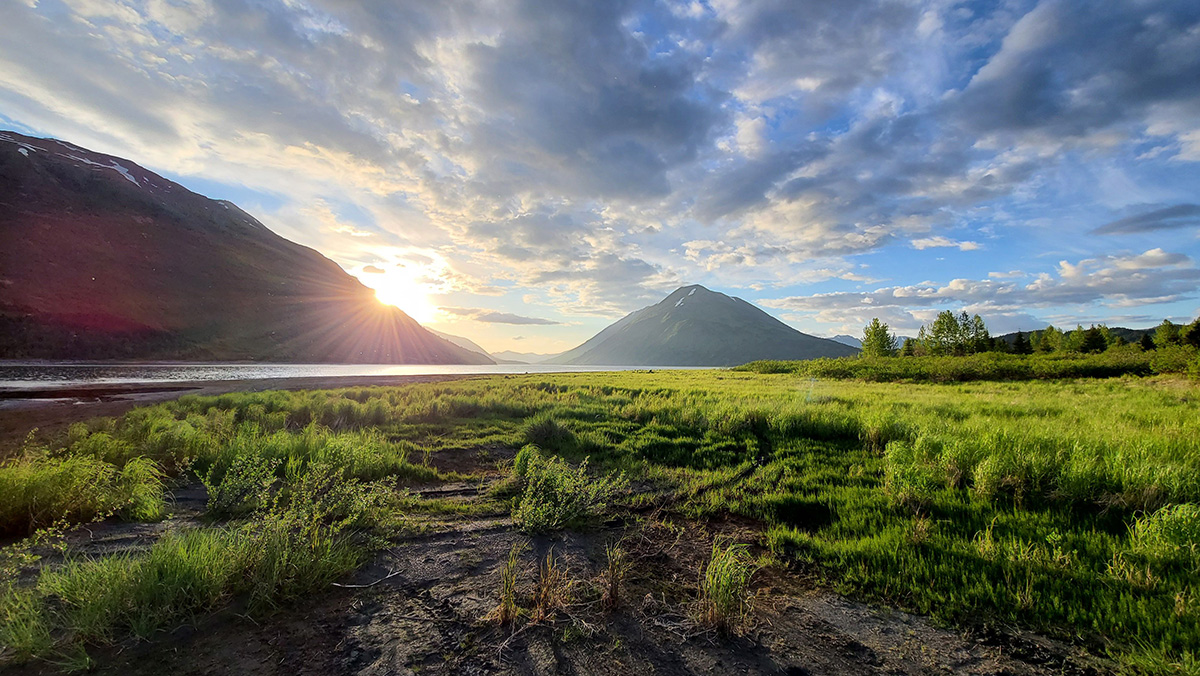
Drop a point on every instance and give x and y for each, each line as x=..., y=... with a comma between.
x=724, y=598
x=1058, y=505
x=298, y=544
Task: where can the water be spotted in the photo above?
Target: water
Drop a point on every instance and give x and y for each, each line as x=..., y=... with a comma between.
x=24, y=375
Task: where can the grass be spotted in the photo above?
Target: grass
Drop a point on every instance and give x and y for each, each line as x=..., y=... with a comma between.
x=1066, y=506
x=724, y=600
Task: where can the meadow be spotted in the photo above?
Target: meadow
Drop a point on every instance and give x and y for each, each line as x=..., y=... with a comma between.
x=1065, y=506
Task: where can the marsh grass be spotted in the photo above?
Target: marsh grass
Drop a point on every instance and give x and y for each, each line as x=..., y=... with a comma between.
x=509, y=610
x=724, y=596
x=299, y=543
x=1055, y=505
x=553, y=590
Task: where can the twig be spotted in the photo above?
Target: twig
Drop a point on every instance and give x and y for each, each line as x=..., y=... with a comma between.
x=369, y=584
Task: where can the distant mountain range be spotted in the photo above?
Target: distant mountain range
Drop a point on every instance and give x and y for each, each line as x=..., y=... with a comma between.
x=522, y=357
x=101, y=259
x=848, y=340
x=697, y=327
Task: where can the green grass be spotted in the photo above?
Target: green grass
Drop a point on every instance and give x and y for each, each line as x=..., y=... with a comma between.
x=1065, y=506
x=298, y=544
x=1122, y=361
x=724, y=598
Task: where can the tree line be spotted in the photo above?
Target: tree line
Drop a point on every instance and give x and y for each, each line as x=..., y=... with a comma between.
x=960, y=334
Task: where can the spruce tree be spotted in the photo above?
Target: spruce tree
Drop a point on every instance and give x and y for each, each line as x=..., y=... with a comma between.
x=877, y=340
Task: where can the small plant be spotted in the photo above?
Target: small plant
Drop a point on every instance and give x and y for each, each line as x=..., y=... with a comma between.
x=556, y=495
x=242, y=488
x=723, y=588
x=1170, y=530
x=553, y=590
x=547, y=432
x=508, y=610
x=613, y=574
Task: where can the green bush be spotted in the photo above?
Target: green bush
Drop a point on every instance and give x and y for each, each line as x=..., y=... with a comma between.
x=556, y=496
x=242, y=488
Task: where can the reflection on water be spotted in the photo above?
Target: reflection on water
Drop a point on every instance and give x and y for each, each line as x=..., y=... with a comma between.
x=40, y=374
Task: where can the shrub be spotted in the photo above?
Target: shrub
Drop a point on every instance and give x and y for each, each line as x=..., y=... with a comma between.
x=556, y=495
x=241, y=489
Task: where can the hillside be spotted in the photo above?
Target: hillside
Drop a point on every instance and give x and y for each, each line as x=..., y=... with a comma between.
x=697, y=327
x=103, y=259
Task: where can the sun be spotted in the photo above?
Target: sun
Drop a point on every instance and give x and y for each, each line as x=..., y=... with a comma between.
x=393, y=288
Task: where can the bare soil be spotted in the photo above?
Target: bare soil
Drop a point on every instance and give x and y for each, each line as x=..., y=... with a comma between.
x=426, y=605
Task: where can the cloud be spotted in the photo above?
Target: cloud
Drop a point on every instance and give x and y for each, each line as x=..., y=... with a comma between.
x=939, y=241
x=596, y=155
x=493, y=317
x=1166, y=218
x=1117, y=281
x=373, y=269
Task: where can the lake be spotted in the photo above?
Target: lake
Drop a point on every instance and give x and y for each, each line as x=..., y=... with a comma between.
x=37, y=374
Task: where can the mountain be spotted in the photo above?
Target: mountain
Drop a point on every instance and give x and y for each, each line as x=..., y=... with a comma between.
x=464, y=343
x=847, y=340
x=523, y=357
x=697, y=327
x=102, y=259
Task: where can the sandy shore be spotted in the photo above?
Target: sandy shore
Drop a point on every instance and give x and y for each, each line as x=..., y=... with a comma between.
x=51, y=409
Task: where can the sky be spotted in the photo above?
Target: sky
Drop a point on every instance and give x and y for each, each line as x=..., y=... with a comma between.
x=525, y=172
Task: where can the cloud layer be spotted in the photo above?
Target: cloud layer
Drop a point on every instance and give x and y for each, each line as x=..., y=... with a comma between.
x=587, y=157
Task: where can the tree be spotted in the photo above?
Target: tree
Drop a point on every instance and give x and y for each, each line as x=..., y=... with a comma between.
x=1051, y=340
x=1021, y=344
x=1191, y=335
x=910, y=348
x=1166, y=334
x=1093, y=341
x=877, y=340
x=1147, y=343
x=980, y=339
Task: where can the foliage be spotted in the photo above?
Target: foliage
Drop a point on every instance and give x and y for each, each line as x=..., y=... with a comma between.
x=296, y=547
x=1166, y=334
x=990, y=487
x=877, y=340
x=555, y=495
x=241, y=489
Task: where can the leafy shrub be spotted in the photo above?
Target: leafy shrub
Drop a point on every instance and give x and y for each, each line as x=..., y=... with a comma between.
x=242, y=488
x=1173, y=359
x=556, y=495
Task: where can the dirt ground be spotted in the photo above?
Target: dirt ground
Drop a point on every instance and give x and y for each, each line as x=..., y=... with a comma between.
x=426, y=605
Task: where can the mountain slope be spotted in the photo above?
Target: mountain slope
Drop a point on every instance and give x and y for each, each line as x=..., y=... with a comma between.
x=523, y=357
x=100, y=258
x=697, y=327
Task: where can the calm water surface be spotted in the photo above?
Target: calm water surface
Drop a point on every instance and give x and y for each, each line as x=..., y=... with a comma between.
x=17, y=374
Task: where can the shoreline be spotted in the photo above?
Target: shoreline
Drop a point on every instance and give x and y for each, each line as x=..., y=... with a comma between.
x=51, y=409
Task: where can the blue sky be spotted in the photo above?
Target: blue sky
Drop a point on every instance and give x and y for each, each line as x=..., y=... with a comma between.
x=523, y=173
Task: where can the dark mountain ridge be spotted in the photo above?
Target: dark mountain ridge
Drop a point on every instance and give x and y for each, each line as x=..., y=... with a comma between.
x=697, y=327
x=101, y=259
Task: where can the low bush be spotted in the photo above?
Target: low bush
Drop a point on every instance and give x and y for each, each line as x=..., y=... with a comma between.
x=555, y=495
